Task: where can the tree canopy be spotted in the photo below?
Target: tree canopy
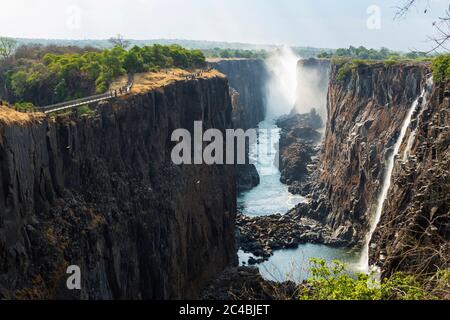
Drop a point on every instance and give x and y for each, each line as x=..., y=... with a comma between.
x=57, y=75
x=7, y=46
x=372, y=54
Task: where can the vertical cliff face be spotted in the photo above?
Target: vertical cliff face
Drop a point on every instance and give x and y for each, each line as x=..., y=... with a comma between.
x=414, y=232
x=367, y=105
x=102, y=193
x=312, y=85
x=248, y=78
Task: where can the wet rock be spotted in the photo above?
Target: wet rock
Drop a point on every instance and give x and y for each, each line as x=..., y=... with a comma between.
x=246, y=283
x=298, y=141
x=415, y=224
x=247, y=177
x=364, y=121
x=261, y=236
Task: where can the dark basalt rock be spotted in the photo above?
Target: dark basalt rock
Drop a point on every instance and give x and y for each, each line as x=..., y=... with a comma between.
x=261, y=236
x=247, y=78
x=298, y=147
x=246, y=283
x=365, y=114
x=247, y=177
x=413, y=235
x=102, y=193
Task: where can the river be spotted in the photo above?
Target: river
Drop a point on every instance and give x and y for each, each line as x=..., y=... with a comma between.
x=271, y=197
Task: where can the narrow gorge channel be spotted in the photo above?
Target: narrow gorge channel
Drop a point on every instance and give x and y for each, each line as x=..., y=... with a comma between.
x=271, y=196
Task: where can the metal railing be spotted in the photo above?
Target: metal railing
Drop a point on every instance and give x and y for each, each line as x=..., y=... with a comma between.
x=105, y=96
x=88, y=100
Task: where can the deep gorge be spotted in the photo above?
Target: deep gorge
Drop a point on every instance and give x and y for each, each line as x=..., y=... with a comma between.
x=101, y=192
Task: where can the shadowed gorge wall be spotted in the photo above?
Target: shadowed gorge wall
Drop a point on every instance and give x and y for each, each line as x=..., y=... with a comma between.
x=248, y=79
x=101, y=192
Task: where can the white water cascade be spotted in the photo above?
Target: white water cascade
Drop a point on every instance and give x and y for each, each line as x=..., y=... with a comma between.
x=425, y=95
x=281, y=86
x=271, y=196
x=387, y=179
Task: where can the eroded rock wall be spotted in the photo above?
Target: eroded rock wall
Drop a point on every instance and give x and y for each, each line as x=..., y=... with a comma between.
x=248, y=79
x=102, y=193
x=414, y=232
x=366, y=109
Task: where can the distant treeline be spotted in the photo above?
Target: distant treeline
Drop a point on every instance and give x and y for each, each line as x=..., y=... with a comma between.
x=372, y=54
x=304, y=52
x=235, y=53
x=45, y=75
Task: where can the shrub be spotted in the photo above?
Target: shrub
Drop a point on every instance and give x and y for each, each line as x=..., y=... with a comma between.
x=85, y=110
x=53, y=77
x=334, y=282
x=441, y=67
x=344, y=72
x=24, y=106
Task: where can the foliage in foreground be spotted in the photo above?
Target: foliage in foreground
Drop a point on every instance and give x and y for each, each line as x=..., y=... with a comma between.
x=334, y=282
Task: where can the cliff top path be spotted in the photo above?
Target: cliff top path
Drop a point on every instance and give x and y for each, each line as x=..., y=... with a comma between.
x=143, y=82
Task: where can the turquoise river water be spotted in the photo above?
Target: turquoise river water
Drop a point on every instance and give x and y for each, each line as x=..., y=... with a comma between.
x=272, y=197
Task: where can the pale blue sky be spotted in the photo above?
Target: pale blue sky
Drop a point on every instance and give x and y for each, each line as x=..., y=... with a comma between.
x=318, y=23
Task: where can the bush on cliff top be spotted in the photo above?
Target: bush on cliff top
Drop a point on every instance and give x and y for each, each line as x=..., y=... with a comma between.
x=373, y=54
x=441, y=68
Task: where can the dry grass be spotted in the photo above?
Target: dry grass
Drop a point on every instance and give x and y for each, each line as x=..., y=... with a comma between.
x=144, y=82
x=9, y=116
x=120, y=82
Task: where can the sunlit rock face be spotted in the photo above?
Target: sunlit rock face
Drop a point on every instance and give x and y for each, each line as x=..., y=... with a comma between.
x=102, y=193
x=366, y=109
x=414, y=232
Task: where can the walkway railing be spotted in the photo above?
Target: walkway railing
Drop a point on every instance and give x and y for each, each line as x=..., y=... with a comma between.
x=105, y=96
x=88, y=100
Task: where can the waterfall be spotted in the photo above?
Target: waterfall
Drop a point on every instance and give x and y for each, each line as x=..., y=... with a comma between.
x=375, y=220
x=425, y=95
x=281, y=86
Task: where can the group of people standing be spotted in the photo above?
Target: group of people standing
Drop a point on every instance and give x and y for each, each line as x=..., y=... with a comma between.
x=197, y=75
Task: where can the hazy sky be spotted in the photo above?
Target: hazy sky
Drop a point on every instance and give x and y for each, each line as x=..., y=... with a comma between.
x=318, y=23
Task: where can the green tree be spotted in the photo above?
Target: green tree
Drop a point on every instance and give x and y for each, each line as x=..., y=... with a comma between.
x=7, y=46
x=133, y=63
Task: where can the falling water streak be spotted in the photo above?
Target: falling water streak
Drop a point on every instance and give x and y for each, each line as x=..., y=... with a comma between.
x=425, y=95
x=386, y=186
x=411, y=136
